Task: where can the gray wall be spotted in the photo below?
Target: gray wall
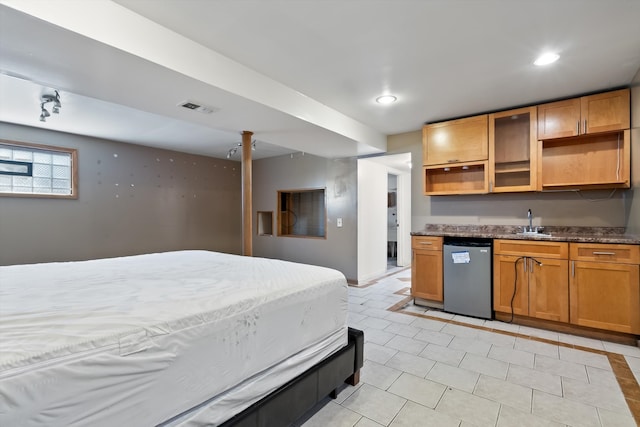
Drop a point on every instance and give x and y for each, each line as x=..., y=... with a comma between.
x=144, y=200
x=633, y=201
x=339, y=177
x=558, y=208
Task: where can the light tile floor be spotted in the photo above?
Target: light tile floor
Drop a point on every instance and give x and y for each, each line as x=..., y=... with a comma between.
x=426, y=372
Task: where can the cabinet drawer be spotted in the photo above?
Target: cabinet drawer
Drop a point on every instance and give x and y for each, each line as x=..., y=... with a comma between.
x=603, y=252
x=558, y=250
x=431, y=243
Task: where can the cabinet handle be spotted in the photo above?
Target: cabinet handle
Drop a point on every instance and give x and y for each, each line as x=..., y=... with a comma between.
x=585, y=126
x=452, y=161
x=578, y=127
x=603, y=253
x=524, y=261
x=573, y=269
x=426, y=243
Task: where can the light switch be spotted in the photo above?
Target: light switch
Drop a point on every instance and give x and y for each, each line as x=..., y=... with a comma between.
x=339, y=222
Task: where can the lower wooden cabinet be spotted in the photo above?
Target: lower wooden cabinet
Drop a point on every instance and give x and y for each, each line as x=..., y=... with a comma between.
x=426, y=268
x=510, y=285
x=549, y=289
x=531, y=286
x=530, y=278
x=604, y=287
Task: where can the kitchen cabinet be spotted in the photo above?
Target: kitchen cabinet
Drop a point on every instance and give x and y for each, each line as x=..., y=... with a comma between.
x=581, y=143
x=460, y=178
x=426, y=268
x=455, y=156
x=586, y=162
x=603, y=112
x=604, y=286
x=455, y=141
x=531, y=279
x=513, y=150
x=585, y=142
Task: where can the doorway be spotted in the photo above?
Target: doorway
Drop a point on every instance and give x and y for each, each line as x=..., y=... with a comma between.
x=378, y=251
x=392, y=221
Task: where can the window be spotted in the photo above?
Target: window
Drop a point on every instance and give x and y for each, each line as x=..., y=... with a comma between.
x=302, y=213
x=29, y=170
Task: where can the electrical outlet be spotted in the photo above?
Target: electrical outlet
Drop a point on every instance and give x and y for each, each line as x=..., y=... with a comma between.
x=339, y=222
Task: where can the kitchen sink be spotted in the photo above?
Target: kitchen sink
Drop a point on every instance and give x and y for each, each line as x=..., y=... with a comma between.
x=533, y=234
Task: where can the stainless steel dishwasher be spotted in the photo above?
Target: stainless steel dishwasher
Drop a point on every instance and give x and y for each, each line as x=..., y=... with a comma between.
x=467, y=277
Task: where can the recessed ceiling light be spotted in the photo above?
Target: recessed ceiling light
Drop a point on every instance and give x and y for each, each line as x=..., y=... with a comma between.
x=386, y=99
x=546, y=58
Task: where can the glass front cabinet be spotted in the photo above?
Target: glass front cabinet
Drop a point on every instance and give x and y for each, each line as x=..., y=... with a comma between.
x=513, y=150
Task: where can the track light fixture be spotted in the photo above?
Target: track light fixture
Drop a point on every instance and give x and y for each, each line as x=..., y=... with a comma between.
x=45, y=99
x=234, y=150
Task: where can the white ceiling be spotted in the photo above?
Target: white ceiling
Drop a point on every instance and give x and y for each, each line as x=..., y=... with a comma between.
x=302, y=75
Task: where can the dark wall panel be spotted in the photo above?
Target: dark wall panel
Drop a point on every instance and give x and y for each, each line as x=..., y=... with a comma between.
x=132, y=200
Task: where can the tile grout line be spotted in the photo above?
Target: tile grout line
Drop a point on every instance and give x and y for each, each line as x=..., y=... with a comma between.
x=624, y=376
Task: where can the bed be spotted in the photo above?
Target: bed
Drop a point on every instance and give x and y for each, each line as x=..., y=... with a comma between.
x=174, y=338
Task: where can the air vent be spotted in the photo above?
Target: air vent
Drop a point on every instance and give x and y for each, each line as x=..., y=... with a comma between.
x=197, y=106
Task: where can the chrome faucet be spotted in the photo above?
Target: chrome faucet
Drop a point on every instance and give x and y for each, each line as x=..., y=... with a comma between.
x=530, y=216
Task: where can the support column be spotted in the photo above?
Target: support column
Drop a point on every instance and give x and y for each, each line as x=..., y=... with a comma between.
x=247, y=205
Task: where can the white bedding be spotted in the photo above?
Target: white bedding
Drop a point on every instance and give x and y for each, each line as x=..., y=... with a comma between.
x=138, y=340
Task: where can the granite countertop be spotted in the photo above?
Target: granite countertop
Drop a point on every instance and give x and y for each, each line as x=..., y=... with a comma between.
x=557, y=234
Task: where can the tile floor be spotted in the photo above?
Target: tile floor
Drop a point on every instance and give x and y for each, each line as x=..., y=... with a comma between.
x=449, y=370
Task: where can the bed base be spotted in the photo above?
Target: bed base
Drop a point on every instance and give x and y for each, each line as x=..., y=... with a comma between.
x=289, y=402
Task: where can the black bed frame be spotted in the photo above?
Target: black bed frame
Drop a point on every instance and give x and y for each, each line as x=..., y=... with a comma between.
x=289, y=402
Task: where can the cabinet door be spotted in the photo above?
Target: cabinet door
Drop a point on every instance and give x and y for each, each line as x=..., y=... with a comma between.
x=509, y=275
x=549, y=289
x=426, y=275
x=605, y=296
x=605, y=112
x=513, y=150
x=559, y=119
x=456, y=141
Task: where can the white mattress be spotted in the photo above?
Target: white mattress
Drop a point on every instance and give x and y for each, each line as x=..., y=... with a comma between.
x=138, y=340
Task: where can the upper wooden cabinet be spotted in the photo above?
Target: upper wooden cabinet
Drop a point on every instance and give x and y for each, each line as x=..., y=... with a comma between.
x=586, y=162
x=579, y=144
x=603, y=112
x=455, y=156
x=455, y=141
x=513, y=150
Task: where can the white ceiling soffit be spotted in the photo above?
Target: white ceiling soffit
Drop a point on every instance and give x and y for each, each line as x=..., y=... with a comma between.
x=441, y=58
x=116, y=36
